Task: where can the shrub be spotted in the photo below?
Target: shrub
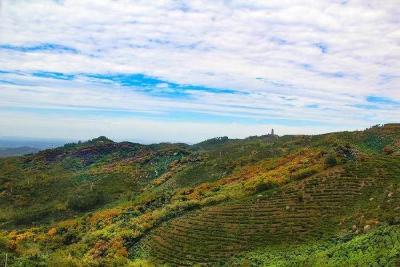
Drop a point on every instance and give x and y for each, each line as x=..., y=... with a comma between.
x=86, y=202
x=304, y=173
x=330, y=160
x=388, y=150
x=262, y=185
x=70, y=238
x=347, y=153
x=4, y=242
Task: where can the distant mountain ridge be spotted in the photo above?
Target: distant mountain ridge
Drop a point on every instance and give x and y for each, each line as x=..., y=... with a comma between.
x=39, y=143
x=17, y=151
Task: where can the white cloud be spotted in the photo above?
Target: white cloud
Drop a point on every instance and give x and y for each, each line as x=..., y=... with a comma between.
x=225, y=44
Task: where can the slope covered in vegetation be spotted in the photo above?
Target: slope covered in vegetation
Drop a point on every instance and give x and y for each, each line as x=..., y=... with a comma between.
x=329, y=200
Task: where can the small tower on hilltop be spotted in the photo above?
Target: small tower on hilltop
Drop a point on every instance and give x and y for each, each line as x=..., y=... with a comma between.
x=272, y=132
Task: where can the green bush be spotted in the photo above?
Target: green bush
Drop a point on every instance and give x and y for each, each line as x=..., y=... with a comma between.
x=262, y=186
x=86, y=202
x=304, y=173
x=3, y=242
x=330, y=160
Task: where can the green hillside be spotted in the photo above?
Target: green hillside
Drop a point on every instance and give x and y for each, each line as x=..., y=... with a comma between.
x=324, y=200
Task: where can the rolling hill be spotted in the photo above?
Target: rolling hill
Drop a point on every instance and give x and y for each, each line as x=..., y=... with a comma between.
x=323, y=200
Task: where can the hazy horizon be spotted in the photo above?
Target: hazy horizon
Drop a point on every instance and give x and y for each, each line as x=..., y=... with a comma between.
x=42, y=142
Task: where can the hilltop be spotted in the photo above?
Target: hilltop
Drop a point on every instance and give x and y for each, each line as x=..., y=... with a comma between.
x=323, y=200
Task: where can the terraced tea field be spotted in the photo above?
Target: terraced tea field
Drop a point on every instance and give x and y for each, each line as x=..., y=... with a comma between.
x=303, y=210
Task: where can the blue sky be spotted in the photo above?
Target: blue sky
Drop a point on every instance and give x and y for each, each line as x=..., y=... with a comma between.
x=190, y=70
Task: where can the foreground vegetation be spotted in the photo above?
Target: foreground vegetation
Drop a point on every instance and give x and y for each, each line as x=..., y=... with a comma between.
x=380, y=247
x=328, y=200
